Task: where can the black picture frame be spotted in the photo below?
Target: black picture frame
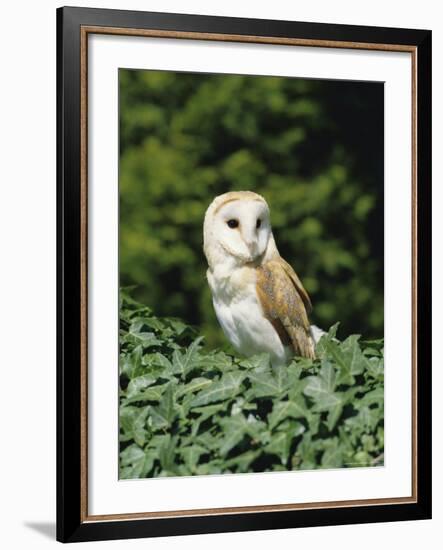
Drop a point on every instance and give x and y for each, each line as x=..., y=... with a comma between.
x=71, y=522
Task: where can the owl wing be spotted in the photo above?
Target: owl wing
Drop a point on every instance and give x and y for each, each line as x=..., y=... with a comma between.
x=285, y=303
x=297, y=283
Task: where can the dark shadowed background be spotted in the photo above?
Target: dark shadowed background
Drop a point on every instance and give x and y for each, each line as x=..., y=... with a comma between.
x=313, y=149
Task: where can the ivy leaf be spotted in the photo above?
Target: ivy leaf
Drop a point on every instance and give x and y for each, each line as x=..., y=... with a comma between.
x=325, y=339
x=133, y=422
x=332, y=457
x=375, y=368
x=357, y=362
x=204, y=413
x=225, y=388
x=126, y=419
x=145, y=339
x=218, y=361
x=139, y=431
x=163, y=415
x=264, y=384
x=280, y=444
x=151, y=394
x=342, y=361
x=135, y=462
x=234, y=428
x=130, y=363
x=162, y=361
x=281, y=377
x=306, y=454
x=375, y=396
x=195, y=385
x=371, y=352
x=258, y=363
x=166, y=452
x=191, y=456
x=365, y=421
x=334, y=414
x=242, y=461
x=285, y=409
x=187, y=410
x=139, y=383
x=327, y=374
x=131, y=455
x=320, y=391
x=184, y=363
x=178, y=326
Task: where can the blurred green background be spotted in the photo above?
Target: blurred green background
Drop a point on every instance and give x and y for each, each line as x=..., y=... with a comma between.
x=313, y=149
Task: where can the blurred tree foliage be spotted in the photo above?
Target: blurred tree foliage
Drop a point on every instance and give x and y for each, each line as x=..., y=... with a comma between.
x=313, y=149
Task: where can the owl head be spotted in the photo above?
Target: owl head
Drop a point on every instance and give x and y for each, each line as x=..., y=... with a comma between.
x=237, y=225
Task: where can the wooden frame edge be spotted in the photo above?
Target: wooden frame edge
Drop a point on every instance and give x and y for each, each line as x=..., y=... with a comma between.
x=84, y=274
x=225, y=511
x=282, y=41
x=85, y=30
x=414, y=272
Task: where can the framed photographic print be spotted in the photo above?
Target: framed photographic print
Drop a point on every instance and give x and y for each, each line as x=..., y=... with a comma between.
x=244, y=300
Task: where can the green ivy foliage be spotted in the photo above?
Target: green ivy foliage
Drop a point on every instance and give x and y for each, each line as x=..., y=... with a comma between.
x=313, y=149
x=189, y=410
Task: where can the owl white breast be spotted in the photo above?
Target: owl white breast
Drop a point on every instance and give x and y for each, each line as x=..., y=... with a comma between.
x=259, y=301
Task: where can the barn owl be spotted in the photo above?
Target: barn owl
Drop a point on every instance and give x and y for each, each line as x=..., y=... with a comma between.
x=258, y=298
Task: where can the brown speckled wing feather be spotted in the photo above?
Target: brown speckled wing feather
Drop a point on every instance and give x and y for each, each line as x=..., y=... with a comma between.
x=284, y=302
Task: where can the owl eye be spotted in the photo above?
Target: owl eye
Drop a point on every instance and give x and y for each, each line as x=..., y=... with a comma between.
x=258, y=224
x=232, y=223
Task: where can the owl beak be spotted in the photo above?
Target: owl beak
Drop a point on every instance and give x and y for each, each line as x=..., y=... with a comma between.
x=250, y=240
x=252, y=247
